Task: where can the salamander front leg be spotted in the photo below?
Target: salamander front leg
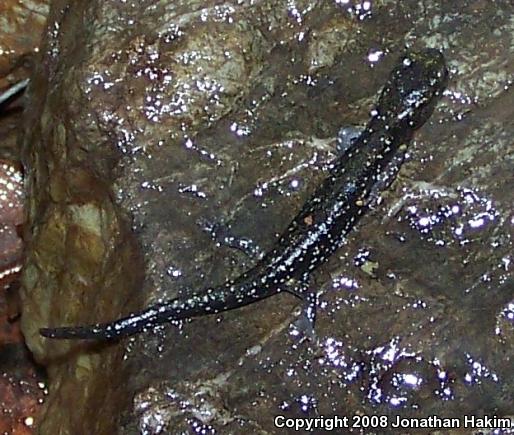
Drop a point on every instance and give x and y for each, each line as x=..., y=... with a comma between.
x=346, y=136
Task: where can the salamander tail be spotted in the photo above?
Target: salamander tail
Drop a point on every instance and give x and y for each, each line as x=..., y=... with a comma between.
x=77, y=332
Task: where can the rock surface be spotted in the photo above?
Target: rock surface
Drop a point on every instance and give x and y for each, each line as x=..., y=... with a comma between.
x=21, y=26
x=147, y=119
x=22, y=389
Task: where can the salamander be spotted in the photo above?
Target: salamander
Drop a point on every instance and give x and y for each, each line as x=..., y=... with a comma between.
x=406, y=102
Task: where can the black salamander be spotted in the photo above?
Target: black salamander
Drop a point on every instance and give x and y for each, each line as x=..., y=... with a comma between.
x=405, y=104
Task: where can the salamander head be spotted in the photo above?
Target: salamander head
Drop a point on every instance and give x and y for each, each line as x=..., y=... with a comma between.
x=413, y=89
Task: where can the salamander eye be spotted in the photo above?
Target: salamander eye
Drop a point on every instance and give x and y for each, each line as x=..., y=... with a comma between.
x=412, y=102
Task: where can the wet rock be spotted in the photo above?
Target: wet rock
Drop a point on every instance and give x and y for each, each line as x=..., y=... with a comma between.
x=21, y=399
x=21, y=27
x=146, y=120
x=21, y=386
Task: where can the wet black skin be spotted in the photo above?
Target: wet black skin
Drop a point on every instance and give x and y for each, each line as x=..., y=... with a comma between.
x=405, y=104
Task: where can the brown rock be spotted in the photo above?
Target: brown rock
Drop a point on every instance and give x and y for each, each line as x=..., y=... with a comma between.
x=145, y=118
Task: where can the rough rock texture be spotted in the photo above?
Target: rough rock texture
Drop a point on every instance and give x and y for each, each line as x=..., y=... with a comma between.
x=12, y=215
x=21, y=26
x=22, y=389
x=147, y=119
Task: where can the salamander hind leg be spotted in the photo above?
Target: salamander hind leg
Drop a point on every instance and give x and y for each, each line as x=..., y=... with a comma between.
x=304, y=325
